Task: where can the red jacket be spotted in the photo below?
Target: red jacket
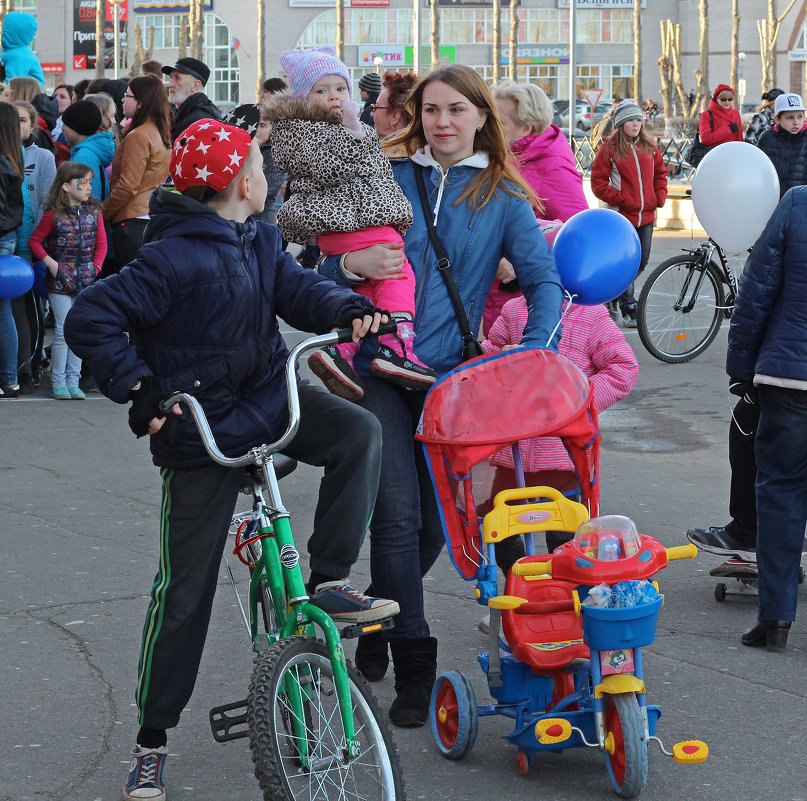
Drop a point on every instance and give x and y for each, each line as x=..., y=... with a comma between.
x=636, y=185
x=714, y=123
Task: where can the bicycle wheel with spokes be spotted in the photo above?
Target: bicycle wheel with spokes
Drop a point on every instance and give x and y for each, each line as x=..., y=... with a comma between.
x=296, y=735
x=679, y=314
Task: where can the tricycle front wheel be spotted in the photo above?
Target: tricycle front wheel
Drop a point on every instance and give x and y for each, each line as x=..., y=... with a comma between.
x=627, y=765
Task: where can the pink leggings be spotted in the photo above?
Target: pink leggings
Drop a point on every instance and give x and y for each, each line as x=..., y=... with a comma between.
x=392, y=295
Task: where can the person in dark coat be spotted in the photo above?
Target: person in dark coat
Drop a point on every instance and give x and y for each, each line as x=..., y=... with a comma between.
x=201, y=300
x=786, y=143
x=186, y=79
x=767, y=357
x=369, y=90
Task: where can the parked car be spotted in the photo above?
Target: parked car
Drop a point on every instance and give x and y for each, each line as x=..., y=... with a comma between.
x=583, y=119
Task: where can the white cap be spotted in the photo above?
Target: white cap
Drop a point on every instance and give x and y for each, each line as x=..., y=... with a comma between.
x=789, y=101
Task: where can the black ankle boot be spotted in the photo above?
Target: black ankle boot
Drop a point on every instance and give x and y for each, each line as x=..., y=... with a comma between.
x=770, y=633
x=372, y=656
x=415, y=664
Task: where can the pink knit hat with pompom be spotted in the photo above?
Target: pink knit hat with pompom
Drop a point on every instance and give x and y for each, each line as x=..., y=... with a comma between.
x=306, y=67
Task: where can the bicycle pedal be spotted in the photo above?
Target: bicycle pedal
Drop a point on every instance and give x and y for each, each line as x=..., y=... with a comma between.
x=351, y=632
x=223, y=723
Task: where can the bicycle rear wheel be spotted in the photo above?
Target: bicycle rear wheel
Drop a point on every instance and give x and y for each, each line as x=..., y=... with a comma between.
x=302, y=755
x=674, y=324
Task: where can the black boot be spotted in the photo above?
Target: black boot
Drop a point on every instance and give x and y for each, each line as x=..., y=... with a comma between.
x=415, y=663
x=372, y=656
x=770, y=633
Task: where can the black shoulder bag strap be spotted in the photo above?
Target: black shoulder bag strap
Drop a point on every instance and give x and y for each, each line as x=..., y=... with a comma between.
x=470, y=346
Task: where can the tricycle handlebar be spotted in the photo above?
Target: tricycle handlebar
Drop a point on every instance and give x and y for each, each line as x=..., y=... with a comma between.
x=532, y=569
x=681, y=552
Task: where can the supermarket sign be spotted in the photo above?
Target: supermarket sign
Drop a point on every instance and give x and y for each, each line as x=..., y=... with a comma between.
x=52, y=66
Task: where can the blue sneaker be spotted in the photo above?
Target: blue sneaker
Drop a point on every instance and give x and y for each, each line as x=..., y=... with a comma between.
x=344, y=603
x=146, y=775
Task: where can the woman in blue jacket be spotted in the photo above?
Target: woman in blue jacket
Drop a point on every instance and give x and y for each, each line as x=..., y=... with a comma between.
x=481, y=210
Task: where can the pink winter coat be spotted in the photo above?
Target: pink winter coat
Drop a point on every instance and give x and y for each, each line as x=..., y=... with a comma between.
x=546, y=163
x=591, y=340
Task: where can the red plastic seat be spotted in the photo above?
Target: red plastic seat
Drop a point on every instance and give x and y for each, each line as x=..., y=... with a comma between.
x=544, y=641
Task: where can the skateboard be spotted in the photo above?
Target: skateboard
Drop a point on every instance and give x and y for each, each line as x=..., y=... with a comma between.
x=745, y=575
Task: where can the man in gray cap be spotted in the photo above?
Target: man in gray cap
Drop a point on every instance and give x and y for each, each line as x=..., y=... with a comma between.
x=186, y=79
x=369, y=89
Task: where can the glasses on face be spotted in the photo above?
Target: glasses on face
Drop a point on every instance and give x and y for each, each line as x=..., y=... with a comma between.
x=376, y=107
x=726, y=99
x=131, y=97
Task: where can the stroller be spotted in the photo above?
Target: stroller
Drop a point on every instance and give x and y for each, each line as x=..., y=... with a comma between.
x=566, y=672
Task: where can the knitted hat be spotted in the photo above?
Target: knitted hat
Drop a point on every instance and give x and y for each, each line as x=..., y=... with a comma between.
x=190, y=66
x=625, y=111
x=208, y=153
x=789, y=101
x=247, y=117
x=371, y=82
x=722, y=87
x=84, y=117
x=306, y=67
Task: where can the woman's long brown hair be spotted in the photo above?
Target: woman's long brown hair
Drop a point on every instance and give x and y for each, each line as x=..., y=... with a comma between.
x=501, y=172
x=10, y=139
x=621, y=142
x=150, y=93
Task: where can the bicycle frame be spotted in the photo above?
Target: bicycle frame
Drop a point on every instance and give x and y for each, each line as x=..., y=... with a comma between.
x=278, y=563
x=705, y=251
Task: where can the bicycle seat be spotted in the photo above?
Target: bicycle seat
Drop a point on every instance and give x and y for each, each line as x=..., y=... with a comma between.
x=284, y=465
x=544, y=641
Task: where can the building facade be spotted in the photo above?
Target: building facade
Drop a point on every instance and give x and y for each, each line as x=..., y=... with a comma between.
x=382, y=30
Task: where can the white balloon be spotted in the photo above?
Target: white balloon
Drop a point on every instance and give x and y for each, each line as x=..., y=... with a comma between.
x=734, y=192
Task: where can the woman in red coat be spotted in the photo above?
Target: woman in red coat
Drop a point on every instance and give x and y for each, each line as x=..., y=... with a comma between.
x=629, y=175
x=721, y=121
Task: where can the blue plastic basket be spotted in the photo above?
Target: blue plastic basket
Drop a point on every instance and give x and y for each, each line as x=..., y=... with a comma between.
x=624, y=627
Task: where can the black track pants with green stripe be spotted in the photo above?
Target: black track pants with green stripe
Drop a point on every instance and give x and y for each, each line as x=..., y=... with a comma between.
x=197, y=505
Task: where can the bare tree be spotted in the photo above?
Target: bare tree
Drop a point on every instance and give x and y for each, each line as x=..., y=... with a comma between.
x=665, y=68
x=435, y=33
x=497, y=39
x=196, y=29
x=100, y=13
x=141, y=53
x=637, y=50
x=702, y=73
x=768, y=34
x=5, y=7
x=340, y=29
x=184, y=25
x=261, y=58
x=735, y=43
x=513, y=65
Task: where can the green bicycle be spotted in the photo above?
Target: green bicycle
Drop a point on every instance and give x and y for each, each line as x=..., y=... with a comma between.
x=314, y=726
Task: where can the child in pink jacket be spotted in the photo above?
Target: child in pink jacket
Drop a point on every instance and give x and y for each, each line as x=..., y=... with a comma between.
x=591, y=340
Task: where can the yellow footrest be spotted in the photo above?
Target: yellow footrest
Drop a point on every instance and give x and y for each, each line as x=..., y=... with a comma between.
x=690, y=752
x=552, y=730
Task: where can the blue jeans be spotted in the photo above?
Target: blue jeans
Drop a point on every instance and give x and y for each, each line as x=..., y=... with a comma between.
x=781, y=455
x=65, y=366
x=9, y=343
x=405, y=532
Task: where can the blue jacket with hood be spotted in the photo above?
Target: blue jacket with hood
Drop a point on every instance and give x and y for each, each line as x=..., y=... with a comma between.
x=19, y=60
x=768, y=333
x=96, y=151
x=200, y=303
x=474, y=240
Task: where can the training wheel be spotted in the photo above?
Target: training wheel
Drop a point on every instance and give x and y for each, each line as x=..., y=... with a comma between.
x=523, y=763
x=720, y=592
x=452, y=713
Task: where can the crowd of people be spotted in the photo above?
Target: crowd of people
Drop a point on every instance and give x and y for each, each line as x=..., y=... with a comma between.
x=430, y=166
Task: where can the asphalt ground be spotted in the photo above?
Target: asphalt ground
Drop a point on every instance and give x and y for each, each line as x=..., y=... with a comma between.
x=79, y=504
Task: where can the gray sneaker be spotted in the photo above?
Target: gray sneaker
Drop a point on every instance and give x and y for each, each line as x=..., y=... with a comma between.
x=345, y=604
x=715, y=539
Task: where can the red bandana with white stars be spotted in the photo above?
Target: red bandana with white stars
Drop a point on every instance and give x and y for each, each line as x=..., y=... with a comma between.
x=208, y=153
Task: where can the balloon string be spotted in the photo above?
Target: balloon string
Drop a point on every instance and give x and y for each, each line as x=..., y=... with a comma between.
x=565, y=311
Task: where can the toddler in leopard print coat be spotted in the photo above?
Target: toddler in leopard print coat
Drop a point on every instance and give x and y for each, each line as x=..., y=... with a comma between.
x=343, y=194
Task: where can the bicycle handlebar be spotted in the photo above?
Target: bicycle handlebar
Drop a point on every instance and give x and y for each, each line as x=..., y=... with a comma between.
x=293, y=398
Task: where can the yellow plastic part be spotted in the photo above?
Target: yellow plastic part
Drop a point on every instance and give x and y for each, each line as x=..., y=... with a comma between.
x=682, y=552
x=609, y=743
x=621, y=683
x=690, y=752
x=477, y=593
x=442, y=714
x=577, y=603
x=507, y=519
x=532, y=569
x=506, y=602
x=552, y=730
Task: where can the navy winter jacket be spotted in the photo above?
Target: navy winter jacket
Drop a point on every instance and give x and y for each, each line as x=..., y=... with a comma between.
x=768, y=333
x=788, y=152
x=200, y=302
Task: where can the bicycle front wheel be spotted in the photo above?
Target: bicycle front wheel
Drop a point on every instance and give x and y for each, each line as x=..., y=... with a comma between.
x=296, y=735
x=676, y=324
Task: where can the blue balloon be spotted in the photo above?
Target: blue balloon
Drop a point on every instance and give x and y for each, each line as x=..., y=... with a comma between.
x=16, y=276
x=40, y=272
x=598, y=253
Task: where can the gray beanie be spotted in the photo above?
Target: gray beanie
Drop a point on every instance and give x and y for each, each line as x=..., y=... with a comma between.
x=371, y=82
x=625, y=111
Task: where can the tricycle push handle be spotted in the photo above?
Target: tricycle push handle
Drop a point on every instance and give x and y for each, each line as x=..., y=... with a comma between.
x=681, y=552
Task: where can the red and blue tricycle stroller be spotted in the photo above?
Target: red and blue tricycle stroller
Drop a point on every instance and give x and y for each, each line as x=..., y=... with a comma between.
x=567, y=673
